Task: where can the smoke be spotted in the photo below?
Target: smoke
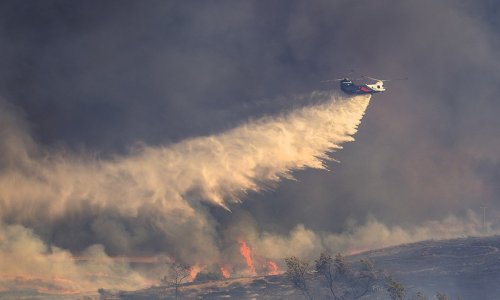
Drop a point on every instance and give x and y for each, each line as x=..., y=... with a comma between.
x=155, y=200
x=28, y=263
x=103, y=76
x=78, y=222
x=306, y=243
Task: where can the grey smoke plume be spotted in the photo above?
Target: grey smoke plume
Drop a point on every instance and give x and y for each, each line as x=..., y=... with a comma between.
x=28, y=263
x=102, y=75
x=373, y=234
x=154, y=197
x=148, y=206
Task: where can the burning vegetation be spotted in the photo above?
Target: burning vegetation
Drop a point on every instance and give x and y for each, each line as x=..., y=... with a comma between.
x=328, y=277
x=246, y=253
x=249, y=266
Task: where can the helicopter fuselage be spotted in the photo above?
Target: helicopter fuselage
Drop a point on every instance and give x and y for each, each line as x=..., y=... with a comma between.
x=349, y=87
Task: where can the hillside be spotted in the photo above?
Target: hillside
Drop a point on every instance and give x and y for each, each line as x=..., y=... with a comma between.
x=467, y=267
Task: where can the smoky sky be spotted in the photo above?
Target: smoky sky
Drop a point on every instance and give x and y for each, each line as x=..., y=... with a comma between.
x=103, y=76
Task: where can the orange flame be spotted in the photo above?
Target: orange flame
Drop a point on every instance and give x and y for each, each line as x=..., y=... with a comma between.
x=194, y=271
x=245, y=252
x=225, y=272
x=272, y=268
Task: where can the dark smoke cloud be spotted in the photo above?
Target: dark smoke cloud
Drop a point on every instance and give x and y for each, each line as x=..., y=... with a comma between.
x=155, y=201
x=103, y=77
x=423, y=144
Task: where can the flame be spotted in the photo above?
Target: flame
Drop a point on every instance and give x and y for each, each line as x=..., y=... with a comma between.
x=272, y=268
x=194, y=271
x=245, y=252
x=225, y=272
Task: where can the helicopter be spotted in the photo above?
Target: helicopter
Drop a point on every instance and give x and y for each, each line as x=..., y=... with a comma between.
x=349, y=87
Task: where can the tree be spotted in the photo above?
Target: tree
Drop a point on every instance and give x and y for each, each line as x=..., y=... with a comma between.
x=395, y=289
x=177, y=272
x=324, y=267
x=342, y=280
x=342, y=265
x=296, y=271
x=441, y=296
x=367, y=278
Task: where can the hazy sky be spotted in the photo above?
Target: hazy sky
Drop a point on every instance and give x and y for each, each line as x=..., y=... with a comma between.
x=98, y=78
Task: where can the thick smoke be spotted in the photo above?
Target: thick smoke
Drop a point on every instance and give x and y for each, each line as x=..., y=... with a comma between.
x=373, y=234
x=66, y=214
x=102, y=76
x=153, y=199
x=28, y=263
x=157, y=202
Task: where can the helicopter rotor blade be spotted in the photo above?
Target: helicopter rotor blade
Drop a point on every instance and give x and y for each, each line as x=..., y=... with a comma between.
x=376, y=79
x=383, y=80
x=330, y=80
